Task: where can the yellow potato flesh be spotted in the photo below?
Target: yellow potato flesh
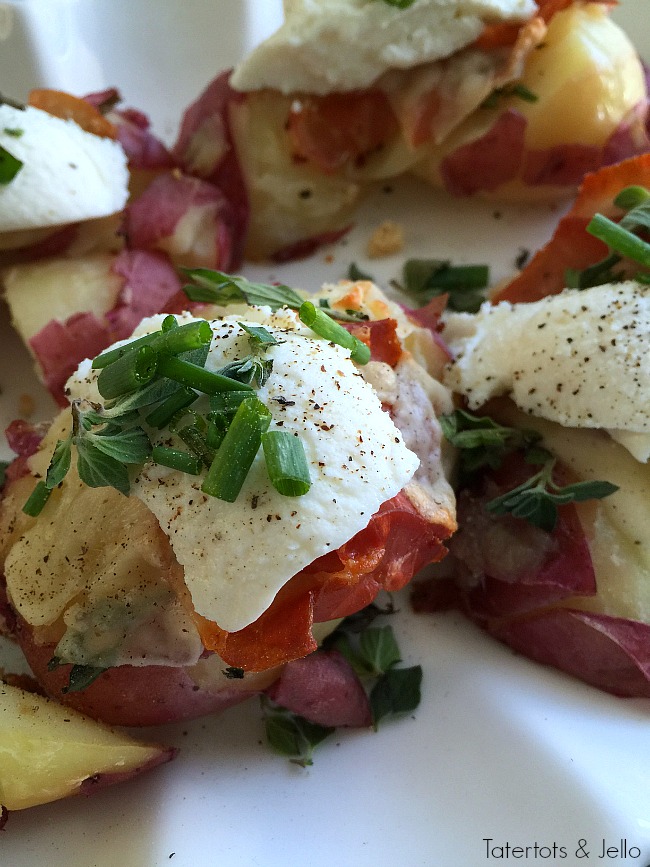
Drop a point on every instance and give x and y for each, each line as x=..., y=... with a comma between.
x=47, y=750
x=586, y=75
x=35, y=296
x=289, y=201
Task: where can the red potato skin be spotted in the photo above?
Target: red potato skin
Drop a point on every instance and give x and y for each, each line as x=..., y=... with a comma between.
x=610, y=653
x=130, y=695
x=537, y=612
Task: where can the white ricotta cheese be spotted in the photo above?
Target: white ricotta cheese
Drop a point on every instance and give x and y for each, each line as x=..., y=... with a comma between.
x=238, y=555
x=68, y=175
x=337, y=45
x=579, y=358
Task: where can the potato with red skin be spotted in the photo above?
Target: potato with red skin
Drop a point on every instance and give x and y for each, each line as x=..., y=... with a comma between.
x=49, y=752
x=143, y=695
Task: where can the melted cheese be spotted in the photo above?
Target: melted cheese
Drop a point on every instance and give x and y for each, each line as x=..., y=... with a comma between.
x=238, y=555
x=68, y=175
x=578, y=358
x=333, y=45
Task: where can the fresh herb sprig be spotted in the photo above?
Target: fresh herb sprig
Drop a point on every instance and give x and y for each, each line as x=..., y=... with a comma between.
x=374, y=654
x=484, y=442
x=215, y=287
x=536, y=500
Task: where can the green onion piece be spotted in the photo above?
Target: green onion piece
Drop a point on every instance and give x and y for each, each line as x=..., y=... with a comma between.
x=164, y=412
x=235, y=457
x=197, y=377
x=183, y=338
x=176, y=459
x=286, y=463
x=9, y=166
x=112, y=355
x=197, y=444
x=168, y=323
x=323, y=325
x=620, y=239
x=37, y=500
x=227, y=402
x=128, y=373
x=216, y=431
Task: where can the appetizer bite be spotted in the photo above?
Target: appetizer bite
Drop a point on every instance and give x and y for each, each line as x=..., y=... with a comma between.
x=56, y=172
x=217, y=488
x=552, y=554
x=516, y=100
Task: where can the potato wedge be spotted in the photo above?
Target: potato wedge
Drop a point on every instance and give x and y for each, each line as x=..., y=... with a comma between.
x=48, y=751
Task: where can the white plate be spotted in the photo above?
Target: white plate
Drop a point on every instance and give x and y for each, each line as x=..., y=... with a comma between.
x=500, y=750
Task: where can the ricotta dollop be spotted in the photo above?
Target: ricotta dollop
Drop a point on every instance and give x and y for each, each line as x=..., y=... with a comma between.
x=578, y=358
x=236, y=556
x=68, y=175
x=338, y=45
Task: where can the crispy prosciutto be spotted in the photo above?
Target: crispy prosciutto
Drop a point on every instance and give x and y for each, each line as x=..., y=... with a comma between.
x=397, y=542
x=571, y=246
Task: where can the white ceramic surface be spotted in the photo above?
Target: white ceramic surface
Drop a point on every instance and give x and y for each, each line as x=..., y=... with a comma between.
x=500, y=749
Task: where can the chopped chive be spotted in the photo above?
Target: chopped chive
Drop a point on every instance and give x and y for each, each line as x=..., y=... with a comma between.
x=235, y=457
x=193, y=376
x=168, y=323
x=176, y=459
x=197, y=444
x=164, y=412
x=37, y=500
x=183, y=338
x=323, y=325
x=286, y=463
x=619, y=239
x=9, y=166
x=112, y=355
x=128, y=373
x=216, y=431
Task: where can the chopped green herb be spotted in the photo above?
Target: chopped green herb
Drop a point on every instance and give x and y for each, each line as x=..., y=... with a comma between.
x=401, y=4
x=237, y=452
x=14, y=132
x=519, y=90
x=355, y=273
x=482, y=441
x=292, y=735
x=464, y=284
x=9, y=166
x=286, y=463
x=81, y=676
x=3, y=470
x=537, y=499
x=324, y=326
x=397, y=691
x=218, y=288
x=260, y=338
x=176, y=459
